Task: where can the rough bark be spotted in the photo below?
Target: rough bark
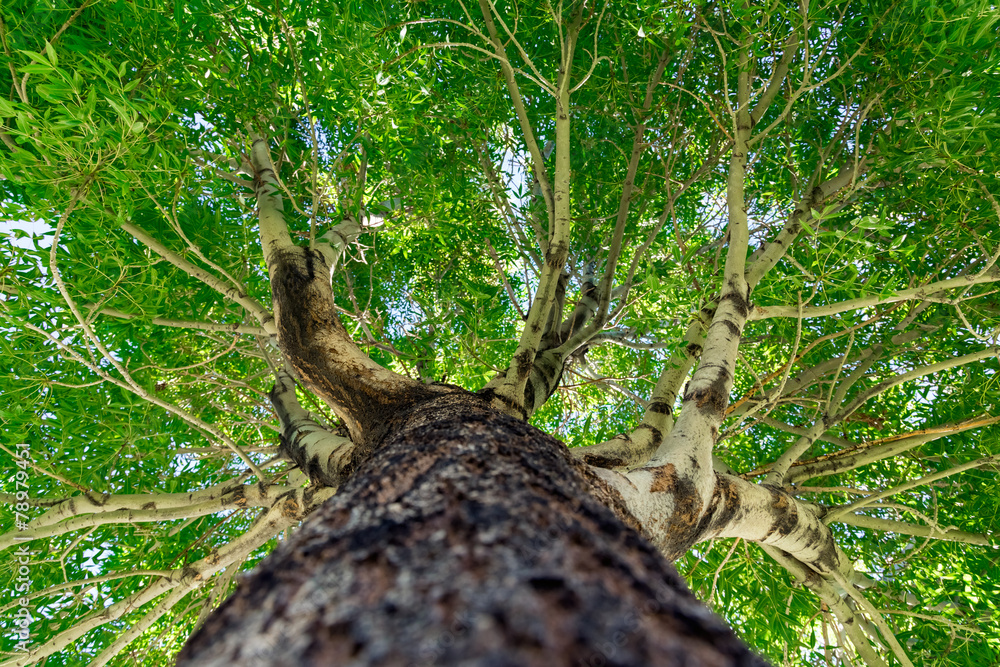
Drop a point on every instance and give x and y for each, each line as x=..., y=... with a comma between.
x=469, y=537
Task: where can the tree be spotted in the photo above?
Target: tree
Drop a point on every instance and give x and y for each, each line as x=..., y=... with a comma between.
x=372, y=263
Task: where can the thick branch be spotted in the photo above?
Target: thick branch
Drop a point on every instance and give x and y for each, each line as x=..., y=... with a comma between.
x=627, y=451
x=310, y=334
x=324, y=456
x=507, y=391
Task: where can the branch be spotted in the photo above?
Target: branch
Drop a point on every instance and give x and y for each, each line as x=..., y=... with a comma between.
x=831, y=597
x=763, y=313
x=792, y=45
x=920, y=372
x=688, y=448
x=627, y=451
x=225, y=494
x=285, y=512
x=934, y=532
x=324, y=456
x=274, y=235
x=876, y=618
x=233, y=293
x=835, y=514
x=188, y=324
x=310, y=334
x=507, y=392
x=878, y=450
x=241, y=497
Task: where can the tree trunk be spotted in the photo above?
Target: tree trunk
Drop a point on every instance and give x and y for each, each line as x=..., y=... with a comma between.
x=469, y=537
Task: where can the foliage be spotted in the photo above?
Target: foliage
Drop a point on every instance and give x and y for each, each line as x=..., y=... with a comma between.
x=127, y=375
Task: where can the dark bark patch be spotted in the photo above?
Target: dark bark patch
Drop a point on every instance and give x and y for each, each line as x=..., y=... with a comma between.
x=784, y=512
x=604, y=461
x=660, y=407
x=740, y=302
x=491, y=395
x=713, y=399
x=734, y=331
x=664, y=479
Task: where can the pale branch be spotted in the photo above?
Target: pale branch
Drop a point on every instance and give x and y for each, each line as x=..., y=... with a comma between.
x=799, y=431
x=187, y=324
x=48, y=473
x=674, y=517
x=285, y=512
x=274, y=236
x=922, y=371
x=811, y=374
x=228, y=494
x=791, y=47
x=779, y=468
x=221, y=588
x=303, y=93
x=915, y=293
x=140, y=626
x=208, y=160
x=876, y=618
x=634, y=449
x=828, y=592
x=237, y=295
x=878, y=450
x=626, y=338
x=512, y=38
x=625, y=451
x=508, y=390
x=688, y=448
x=853, y=624
x=84, y=323
x=770, y=516
x=334, y=243
x=537, y=162
x=584, y=370
x=241, y=497
x=835, y=513
x=126, y=381
x=935, y=532
x=583, y=311
x=324, y=456
x=709, y=163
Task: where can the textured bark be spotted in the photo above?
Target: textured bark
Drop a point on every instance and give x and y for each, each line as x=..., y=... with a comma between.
x=468, y=538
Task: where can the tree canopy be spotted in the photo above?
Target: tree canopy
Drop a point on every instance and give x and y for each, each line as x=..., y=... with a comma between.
x=494, y=178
